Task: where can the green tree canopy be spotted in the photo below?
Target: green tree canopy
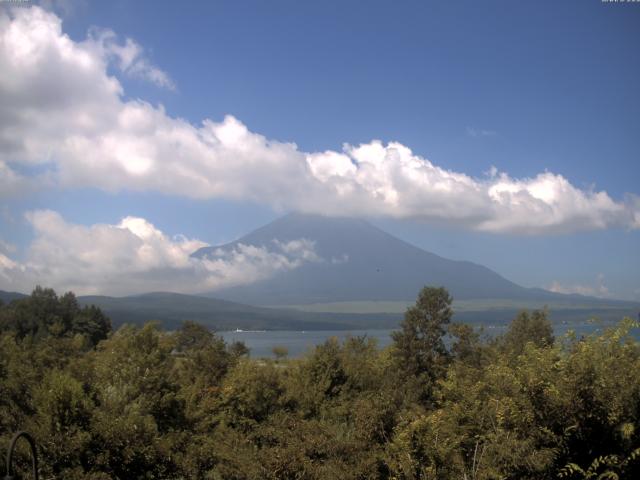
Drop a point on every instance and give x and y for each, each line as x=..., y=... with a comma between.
x=528, y=327
x=419, y=346
x=44, y=314
x=146, y=403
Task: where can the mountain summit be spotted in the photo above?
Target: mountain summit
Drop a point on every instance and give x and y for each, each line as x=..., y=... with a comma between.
x=361, y=262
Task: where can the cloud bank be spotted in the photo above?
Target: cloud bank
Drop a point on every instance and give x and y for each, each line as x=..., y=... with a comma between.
x=136, y=257
x=598, y=290
x=62, y=107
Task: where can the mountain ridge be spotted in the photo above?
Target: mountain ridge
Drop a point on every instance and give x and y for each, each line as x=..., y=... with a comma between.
x=172, y=309
x=373, y=266
x=378, y=266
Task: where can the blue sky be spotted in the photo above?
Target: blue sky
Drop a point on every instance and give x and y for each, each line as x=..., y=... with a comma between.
x=524, y=87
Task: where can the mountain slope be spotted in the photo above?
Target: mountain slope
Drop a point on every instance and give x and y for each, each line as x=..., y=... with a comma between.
x=8, y=297
x=362, y=262
x=171, y=309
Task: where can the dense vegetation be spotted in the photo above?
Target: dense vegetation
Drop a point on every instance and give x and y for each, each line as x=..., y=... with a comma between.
x=143, y=403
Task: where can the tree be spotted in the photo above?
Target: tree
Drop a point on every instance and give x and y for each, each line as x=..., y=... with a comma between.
x=280, y=352
x=525, y=328
x=238, y=349
x=91, y=322
x=419, y=347
x=139, y=404
x=250, y=393
x=203, y=361
x=43, y=314
x=192, y=335
x=467, y=345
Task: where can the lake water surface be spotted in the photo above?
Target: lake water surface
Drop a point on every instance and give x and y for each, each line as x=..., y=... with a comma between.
x=261, y=343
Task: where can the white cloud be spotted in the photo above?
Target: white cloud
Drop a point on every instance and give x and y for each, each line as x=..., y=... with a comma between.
x=65, y=8
x=135, y=257
x=599, y=289
x=11, y=182
x=59, y=106
x=7, y=247
x=247, y=263
x=6, y=264
x=478, y=132
x=344, y=258
x=128, y=57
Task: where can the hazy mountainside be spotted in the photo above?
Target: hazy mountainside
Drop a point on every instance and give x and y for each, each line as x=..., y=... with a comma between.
x=8, y=297
x=171, y=309
x=362, y=262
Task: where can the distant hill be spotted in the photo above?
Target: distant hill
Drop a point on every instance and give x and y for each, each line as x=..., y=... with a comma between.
x=171, y=309
x=8, y=297
x=363, y=262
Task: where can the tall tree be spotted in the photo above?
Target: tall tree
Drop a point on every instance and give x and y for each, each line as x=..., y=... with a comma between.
x=535, y=328
x=419, y=347
x=44, y=314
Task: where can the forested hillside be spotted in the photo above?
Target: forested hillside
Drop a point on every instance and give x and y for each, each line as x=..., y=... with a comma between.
x=142, y=403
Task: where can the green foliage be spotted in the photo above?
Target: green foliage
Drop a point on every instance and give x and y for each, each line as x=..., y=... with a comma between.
x=143, y=403
x=419, y=347
x=45, y=314
x=280, y=352
x=535, y=328
x=610, y=467
x=467, y=345
x=250, y=393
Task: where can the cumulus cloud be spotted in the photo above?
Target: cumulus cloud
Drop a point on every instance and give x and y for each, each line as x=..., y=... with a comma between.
x=597, y=290
x=134, y=256
x=61, y=106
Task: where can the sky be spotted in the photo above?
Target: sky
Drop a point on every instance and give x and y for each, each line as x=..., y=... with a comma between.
x=132, y=133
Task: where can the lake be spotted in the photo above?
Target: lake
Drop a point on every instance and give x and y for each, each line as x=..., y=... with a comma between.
x=297, y=343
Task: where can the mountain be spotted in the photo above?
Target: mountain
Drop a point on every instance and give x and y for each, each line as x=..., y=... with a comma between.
x=362, y=262
x=171, y=309
x=365, y=280
x=8, y=297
